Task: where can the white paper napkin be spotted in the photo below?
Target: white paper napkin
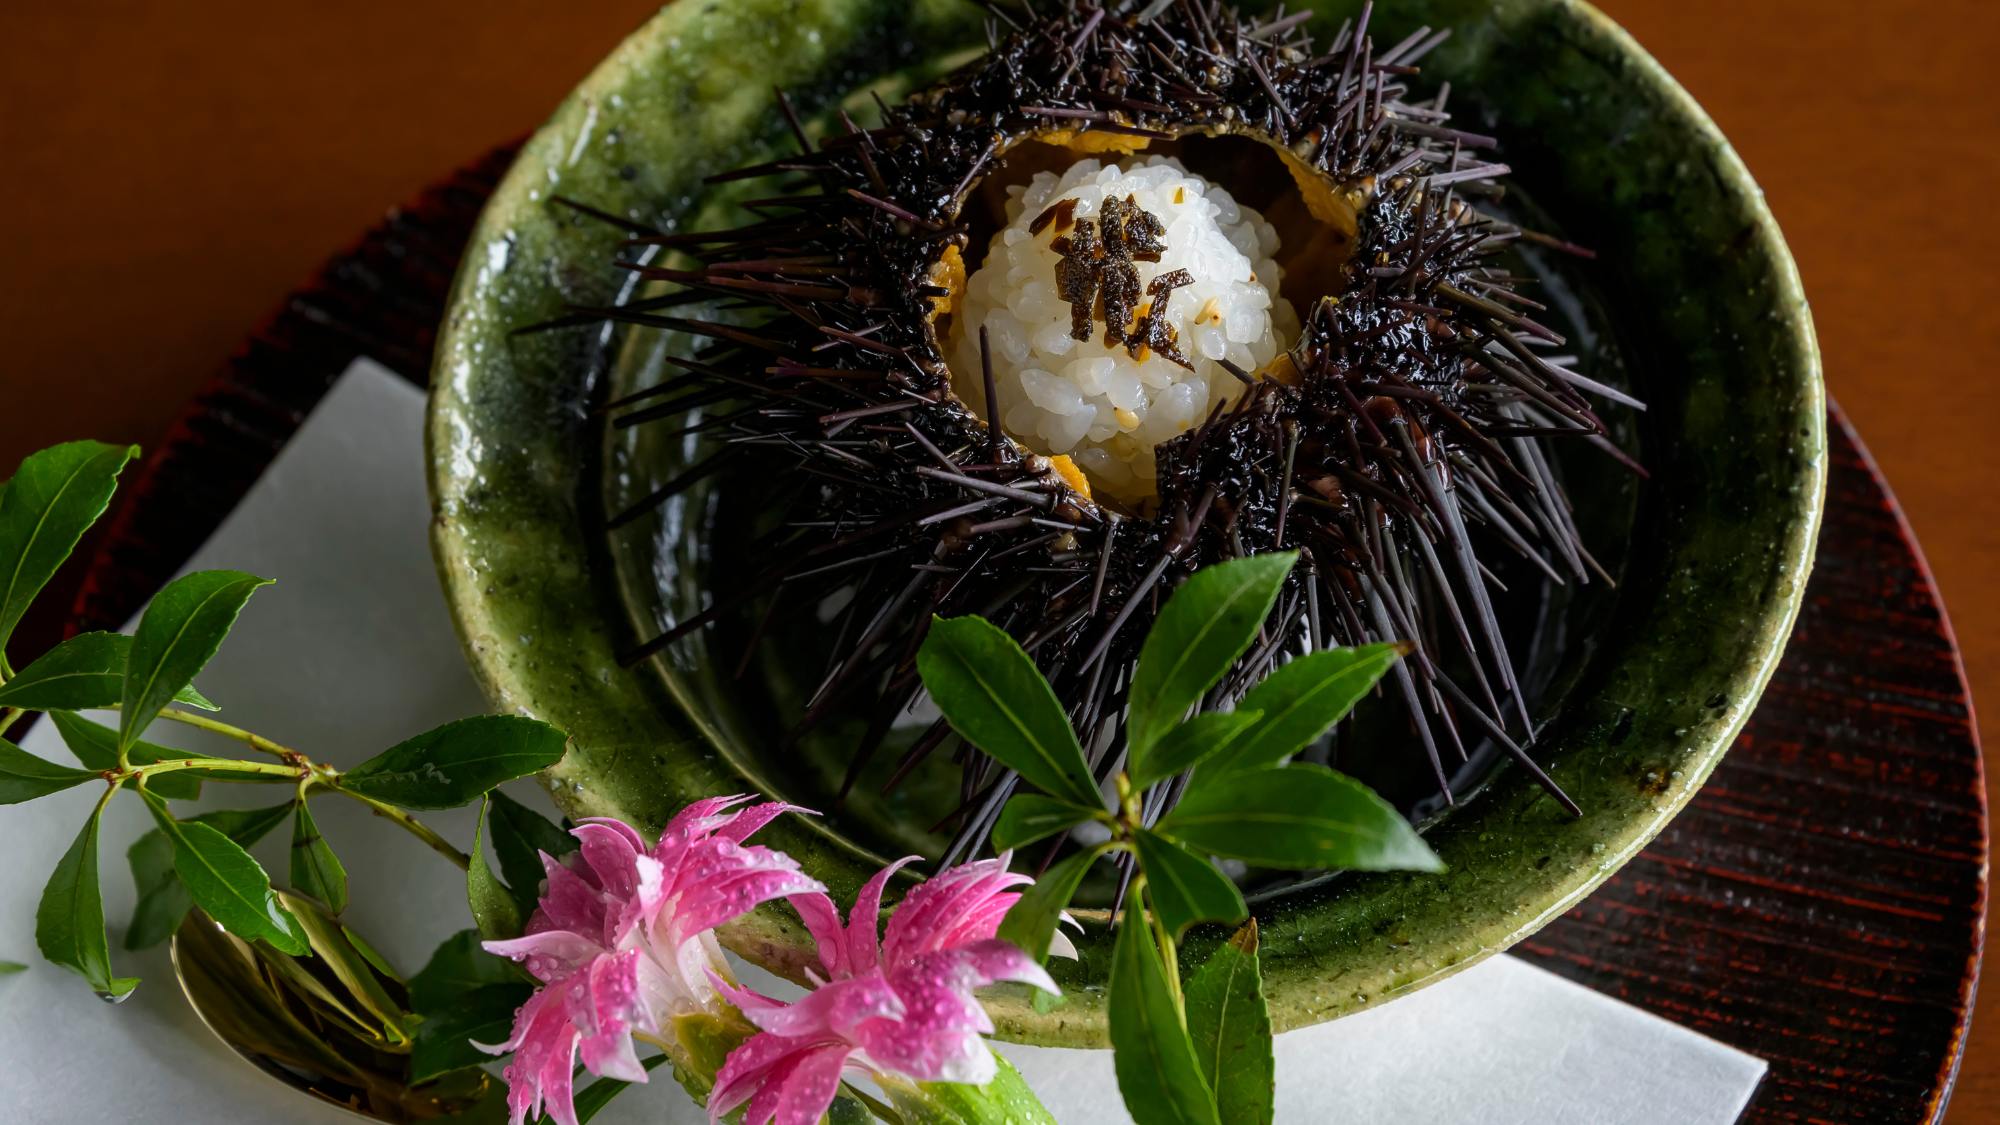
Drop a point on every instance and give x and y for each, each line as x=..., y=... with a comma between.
x=352, y=651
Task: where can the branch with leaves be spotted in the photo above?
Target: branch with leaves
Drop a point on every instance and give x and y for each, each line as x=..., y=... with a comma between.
x=1189, y=1048
x=202, y=860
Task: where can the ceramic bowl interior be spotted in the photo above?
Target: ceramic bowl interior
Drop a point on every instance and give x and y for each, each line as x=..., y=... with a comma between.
x=1693, y=302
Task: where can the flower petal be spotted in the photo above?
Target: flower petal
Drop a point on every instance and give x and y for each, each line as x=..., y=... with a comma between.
x=799, y=1089
x=1060, y=945
x=607, y=1011
x=962, y=904
x=973, y=1065
x=570, y=901
x=748, y=821
x=822, y=921
x=700, y=818
x=611, y=855
x=557, y=1073
x=543, y=1038
x=749, y=1067
x=938, y=1038
x=831, y=1011
x=630, y=833
x=995, y=960
x=752, y=1003
x=548, y=954
x=750, y=877
x=863, y=949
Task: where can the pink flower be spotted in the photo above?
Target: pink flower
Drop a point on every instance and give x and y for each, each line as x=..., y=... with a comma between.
x=622, y=944
x=902, y=1009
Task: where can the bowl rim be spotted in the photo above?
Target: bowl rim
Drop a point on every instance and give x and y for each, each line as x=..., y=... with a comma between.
x=482, y=609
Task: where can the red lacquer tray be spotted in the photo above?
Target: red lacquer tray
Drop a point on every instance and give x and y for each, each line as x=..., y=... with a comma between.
x=1820, y=904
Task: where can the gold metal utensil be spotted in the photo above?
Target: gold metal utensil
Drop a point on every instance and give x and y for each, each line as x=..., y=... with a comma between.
x=333, y=1024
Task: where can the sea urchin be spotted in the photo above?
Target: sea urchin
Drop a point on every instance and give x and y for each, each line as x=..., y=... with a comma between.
x=1145, y=287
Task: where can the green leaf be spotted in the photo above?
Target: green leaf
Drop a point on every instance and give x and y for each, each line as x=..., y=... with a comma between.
x=1030, y=817
x=494, y=910
x=994, y=696
x=69, y=922
x=370, y=954
x=1231, y=1029
x=24, y=777
x=1006, y=1100
x=457, y=967
x=444, y=1040
x=1157, y=1070
x=1031, y=922
x=316, y=871
x=1301, y=818
x=227, y=882
x=1186, y=888
x=529, y=833
x=232, y=887
x=83, y=673
x=245, y=826
x=163, y=900
x=520, y=836
x=96, y=746
x=52, y=500
x=1300, y=702
x=1185, y=746
x=1205, y=626
x=9, y=968
x=355, y=990
x=458, y=762
x=176, y=638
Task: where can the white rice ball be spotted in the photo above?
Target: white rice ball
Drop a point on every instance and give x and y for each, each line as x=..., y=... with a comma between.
x=1095, y=402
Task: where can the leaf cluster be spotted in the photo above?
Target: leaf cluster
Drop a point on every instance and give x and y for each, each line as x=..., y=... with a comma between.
x=1196, y=1051
x=203, y=860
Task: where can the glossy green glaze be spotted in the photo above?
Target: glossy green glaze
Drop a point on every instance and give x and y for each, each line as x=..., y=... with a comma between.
x=1703, y=298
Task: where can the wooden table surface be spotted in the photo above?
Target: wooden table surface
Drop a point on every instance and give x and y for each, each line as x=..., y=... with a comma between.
x=167, y=172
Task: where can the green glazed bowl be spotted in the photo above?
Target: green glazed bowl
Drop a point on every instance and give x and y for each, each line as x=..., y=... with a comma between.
x=1700, y=293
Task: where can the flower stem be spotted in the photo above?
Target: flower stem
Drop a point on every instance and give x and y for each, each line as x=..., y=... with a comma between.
x=407, y=822
x=292, y=763
x=8, y=717
x=1125, y=830
x=1169, y=950
x=254, y=741
x=228, y=765
x=1172, y=955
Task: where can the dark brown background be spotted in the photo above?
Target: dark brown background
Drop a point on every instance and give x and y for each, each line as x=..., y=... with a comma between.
x=168, y=172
